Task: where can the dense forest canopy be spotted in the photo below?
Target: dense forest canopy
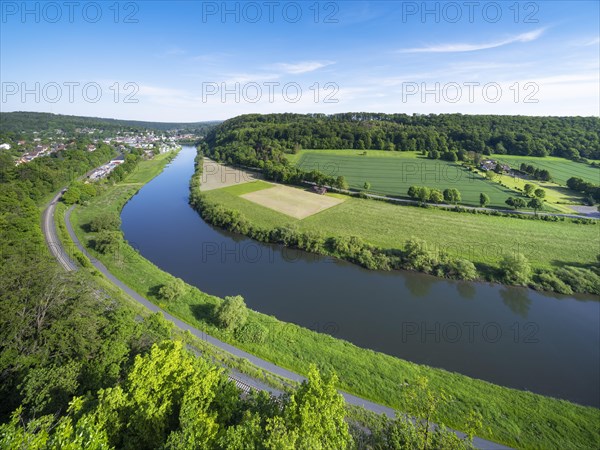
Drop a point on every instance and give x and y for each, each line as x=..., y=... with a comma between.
x=250, y=138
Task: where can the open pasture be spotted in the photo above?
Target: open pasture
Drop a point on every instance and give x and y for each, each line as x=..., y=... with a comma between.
x=560, y=169
x=392, y=173
x=479, y=238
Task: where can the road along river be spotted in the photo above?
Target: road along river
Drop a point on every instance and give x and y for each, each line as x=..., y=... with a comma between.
x=514, y=337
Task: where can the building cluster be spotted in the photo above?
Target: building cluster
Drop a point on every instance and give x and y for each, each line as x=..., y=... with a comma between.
x=39, y=150
x=122, y=141
x=103, y=171
x=490, y=164
x=149, y=140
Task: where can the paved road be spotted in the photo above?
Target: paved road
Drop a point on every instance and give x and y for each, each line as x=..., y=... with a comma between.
x=243, y=381
x=49, y=230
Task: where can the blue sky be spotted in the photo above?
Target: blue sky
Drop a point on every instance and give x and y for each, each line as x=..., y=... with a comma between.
x=188, y=61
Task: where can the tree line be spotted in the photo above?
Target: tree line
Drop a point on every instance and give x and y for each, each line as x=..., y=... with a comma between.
x=416, y=254
x=249, y=139
x=21, y=124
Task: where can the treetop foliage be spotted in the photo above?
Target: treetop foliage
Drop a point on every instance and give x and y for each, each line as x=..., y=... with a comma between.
x=250, y=138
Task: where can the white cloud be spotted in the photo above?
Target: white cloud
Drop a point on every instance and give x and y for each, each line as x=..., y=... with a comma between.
x=302, y=67
x=248, y=78
x=463, y=47
x=155, y=91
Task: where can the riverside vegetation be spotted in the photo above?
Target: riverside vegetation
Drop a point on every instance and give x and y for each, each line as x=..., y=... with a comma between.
x=506, y=417
x=82, y=367
x=382, y=236
x=348, y=231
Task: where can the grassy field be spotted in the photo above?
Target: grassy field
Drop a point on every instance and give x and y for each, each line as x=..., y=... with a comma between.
x=557, y=197
x=516, y=418
x=247, y=188
x=480, y=238
x=560, y=169
x=146, y=170
x=392, y=173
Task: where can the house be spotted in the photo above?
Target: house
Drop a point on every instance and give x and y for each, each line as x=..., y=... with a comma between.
x=5, y=147
x=319, y=190
x=490, y=164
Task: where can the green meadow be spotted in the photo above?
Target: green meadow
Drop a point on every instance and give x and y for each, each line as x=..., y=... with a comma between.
x=392, y=173
x=560, y=169
x=480, y=238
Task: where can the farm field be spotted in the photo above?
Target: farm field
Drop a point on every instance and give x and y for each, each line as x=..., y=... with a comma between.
x=293, y=202
x=215, y=175
x=392, y=173
x=480, y=238
x=560, y=169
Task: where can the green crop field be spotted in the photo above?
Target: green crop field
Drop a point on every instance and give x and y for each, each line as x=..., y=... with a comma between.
x=480, y=238
x=560, y=169
x=392, y=173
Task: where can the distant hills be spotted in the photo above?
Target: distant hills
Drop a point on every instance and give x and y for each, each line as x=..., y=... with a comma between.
x=24, y=122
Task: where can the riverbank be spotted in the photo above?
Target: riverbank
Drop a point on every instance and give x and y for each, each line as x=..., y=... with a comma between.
x=507, y=413
x=549, y=256
x=65, y=243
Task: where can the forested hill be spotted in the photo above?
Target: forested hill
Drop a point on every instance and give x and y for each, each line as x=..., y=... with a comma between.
x=250, y=137
x=24, y=122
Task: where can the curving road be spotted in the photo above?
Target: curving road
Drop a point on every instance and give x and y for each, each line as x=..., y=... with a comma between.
x=49, y=230
x=243, y=381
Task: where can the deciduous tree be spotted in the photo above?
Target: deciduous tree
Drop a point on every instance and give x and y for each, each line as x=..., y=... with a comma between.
x=232, y=313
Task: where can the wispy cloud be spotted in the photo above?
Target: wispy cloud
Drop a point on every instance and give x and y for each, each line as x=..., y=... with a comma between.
x=302, y=67
x=173, y=51
x=250, y=77
x=470, y=47
x=594, y=41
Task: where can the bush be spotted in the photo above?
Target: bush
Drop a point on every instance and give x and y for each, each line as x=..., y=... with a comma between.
x=452, y=195
x=175, y=288
x=232, y=314
x=436, y=196
x=107, y=242
x=286, y=236
x=548, y=281
x=460, y=269
x=83, y=260
x=71, y=196
x=253, y=333
x=417, y=257
x=579, y=279
x=311, y=242
x=108, y=221
x=515, y=269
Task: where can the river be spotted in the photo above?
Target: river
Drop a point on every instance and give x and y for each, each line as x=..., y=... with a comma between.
x=515, y=337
